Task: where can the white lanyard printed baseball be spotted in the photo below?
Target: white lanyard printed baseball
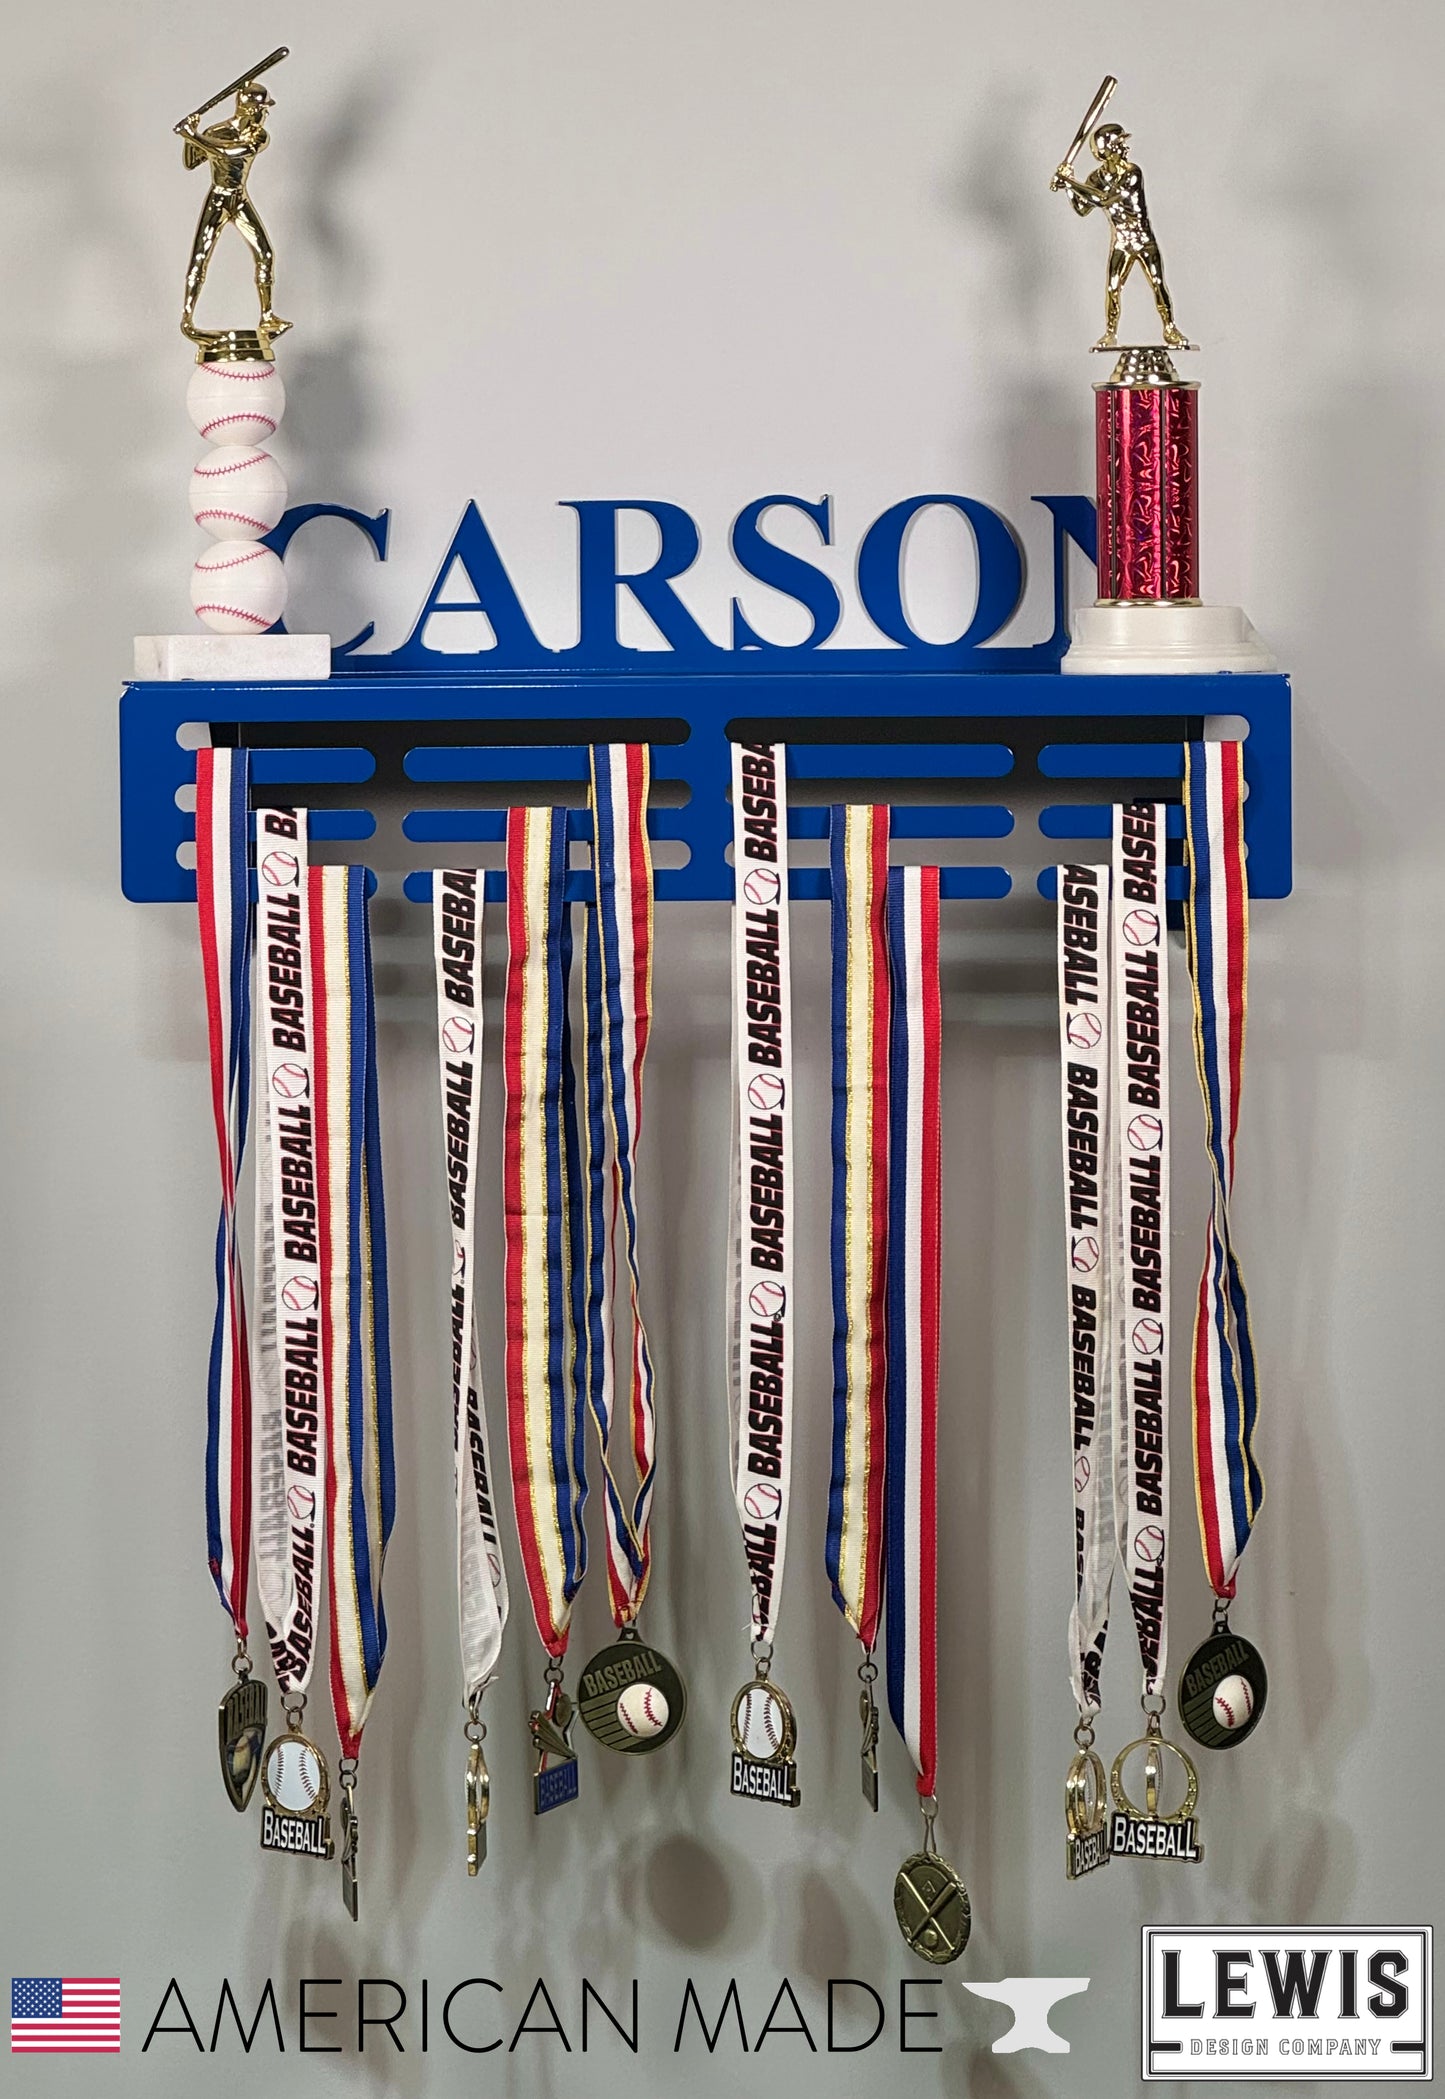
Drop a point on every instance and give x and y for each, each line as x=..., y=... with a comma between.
x=1139, y=1291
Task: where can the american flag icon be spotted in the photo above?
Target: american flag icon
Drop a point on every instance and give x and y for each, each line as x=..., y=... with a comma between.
x=65, y=2015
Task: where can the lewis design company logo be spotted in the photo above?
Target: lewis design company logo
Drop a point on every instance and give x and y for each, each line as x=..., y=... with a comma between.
x=1301, y=2005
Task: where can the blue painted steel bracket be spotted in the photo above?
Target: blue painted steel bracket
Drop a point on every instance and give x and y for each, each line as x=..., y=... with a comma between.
x=857, y=723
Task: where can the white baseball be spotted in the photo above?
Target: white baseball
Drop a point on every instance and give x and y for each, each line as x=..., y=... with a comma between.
x=1147, y=1337
x=279, y=870
x=238, y=588
x=290, y=1081
x=302, y=1503
x=765, y=1092
x=1233, y=1701
x=642, y=1710
x=1084, y=1252
x=1149, y=1544
x=236, y=404
x=760, y=1722
x=293, y=1775
x=766, y=1301
x=299, y=1293
x=458, y=1033
x=763, y=1501
x=237, y=492
x=1146, y=1133
x=761, y=885
x=1084, y=1030
x=1141, y=927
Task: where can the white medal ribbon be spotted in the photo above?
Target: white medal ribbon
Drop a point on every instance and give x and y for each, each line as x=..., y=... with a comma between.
x=1085, y=998
x=457, y=917
x=760, y=1309
x=1139, y=1108
x=289, y=1448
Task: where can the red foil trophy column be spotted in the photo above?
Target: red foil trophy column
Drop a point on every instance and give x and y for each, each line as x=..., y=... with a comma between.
x=1148, y=615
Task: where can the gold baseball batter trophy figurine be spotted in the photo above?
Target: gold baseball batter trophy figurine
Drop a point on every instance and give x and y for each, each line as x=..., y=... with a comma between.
x=229, y=151
x=1148, y=616
x=236, y=401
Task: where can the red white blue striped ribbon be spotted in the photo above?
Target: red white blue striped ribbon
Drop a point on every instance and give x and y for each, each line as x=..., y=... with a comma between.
x=1139, y=1112
x=1086, y=1071
x=355, y=1318
x=457, y=928
x=761, y=1323
x=223, y=898
x=861, y=1009
x=914, y=1276
x=619, y=1023
x=545, y=1420
x=288, y=1383
x=1228, y=1485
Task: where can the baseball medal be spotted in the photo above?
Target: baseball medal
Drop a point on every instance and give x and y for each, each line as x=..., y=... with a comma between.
x=1222, y=1689
x=930, y=1902
x=765, y=1736
x=295, y=1790
x=1086, y=1809
x=554, y=1782
x=242, y=1732
x=868, y=1714
x=1146, y=1832
x=630, y=1697
x=350, y=1843
x=479, y=1801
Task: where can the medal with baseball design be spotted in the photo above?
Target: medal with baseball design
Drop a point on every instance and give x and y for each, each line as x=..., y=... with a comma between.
x=295, y=1791
x=930, y=1901
x=242, y=1722
x=761, y=1327
x=630, y=1697
x=765, y=1736
x=861, y=1007
x=223, y=899
x=1085, y=1035
x=1222, y=1687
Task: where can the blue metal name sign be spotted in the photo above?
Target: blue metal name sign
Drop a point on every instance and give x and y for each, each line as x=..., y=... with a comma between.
x=472, y=555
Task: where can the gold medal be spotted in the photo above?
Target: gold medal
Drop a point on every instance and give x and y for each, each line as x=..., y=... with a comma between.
x=1086, y=1807
x=765, y=1736
x=630, y=1697
x=1149, y=1833
x=554, y=1782
x=295, y=1790
x=242, y=1732
x=930, y=1901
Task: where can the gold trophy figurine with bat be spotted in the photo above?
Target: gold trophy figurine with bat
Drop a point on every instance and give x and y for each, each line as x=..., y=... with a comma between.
x=229, y=150
x=1116, y=187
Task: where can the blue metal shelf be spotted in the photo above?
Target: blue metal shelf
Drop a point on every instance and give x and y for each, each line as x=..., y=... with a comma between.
x=957, y=752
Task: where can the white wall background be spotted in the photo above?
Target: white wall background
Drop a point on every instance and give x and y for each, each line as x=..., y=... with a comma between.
x=700, y=252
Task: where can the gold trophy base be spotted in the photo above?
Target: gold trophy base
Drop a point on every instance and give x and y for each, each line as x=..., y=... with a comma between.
x=231, y=346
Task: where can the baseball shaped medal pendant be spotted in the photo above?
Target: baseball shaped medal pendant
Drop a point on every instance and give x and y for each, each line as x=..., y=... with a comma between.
x=765, y=1735
x=295, y=1789
x=931, y=1904
x=1222, y=1689
x=630, y=1697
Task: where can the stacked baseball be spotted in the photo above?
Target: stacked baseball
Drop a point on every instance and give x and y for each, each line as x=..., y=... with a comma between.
x=238, y=494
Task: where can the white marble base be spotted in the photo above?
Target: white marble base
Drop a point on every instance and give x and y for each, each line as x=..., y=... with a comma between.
x=1167, y=639
x=258, y=659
